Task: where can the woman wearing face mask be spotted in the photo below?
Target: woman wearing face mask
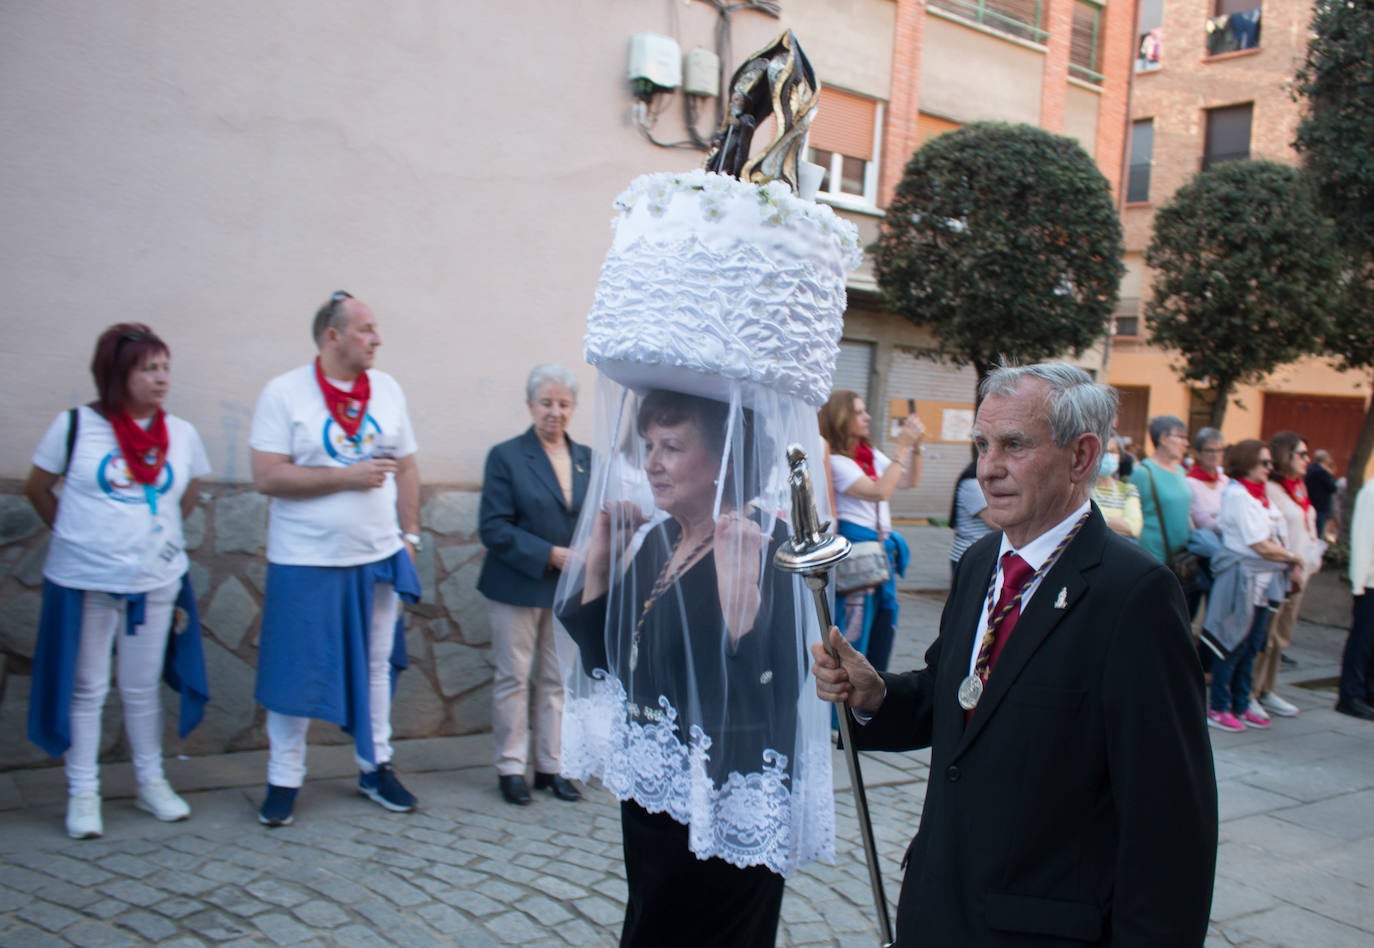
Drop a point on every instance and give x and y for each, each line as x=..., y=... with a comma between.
x=1118, y=500
x=115, y=580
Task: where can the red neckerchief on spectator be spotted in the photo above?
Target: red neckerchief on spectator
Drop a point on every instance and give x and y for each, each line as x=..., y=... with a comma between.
x=1256, y=490
x=144, y=451
x=347, y=408
x=1198, y=472
x=1298, y=491
x=863, y=456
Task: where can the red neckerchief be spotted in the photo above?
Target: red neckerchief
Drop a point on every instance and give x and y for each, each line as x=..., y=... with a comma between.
x=1256, y=490
x=863, y=456
x=1197, y=472
x=1298, y=491
x=346, y=408
x=144, y=451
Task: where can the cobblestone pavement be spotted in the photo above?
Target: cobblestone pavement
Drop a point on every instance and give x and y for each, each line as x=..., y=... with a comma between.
x=1295, y=865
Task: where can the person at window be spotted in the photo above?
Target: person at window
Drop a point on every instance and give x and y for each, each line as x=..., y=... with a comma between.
x=115, y=579
x=532, y=492
x=1165, y=499
x=1118, y=500
x=864, y=479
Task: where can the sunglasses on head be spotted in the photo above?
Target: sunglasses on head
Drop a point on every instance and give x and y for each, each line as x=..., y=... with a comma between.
x=133, y=335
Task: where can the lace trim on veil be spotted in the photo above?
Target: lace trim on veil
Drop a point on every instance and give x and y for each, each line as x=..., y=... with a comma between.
x=762, y=818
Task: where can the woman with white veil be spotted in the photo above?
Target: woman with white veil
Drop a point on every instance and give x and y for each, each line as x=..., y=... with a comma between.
x=715, y=330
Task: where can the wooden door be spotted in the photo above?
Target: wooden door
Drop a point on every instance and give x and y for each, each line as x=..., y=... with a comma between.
x=1326, y=421
x=1133, y=416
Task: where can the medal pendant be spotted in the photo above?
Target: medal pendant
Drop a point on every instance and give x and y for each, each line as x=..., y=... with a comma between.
x=634, y=654
x=970, y=690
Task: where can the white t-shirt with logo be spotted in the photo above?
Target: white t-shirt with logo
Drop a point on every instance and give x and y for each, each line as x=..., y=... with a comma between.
x=348, y=527
x=107, y=537
x=844, y=472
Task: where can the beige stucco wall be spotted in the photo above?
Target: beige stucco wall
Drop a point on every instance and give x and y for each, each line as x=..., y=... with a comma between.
x=216, y=170
x=1081, y=106
x=1005, y=87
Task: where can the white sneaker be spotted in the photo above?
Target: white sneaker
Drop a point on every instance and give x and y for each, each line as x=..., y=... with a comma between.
x=1257, y=710
x=1277, y=705
x=83, y=816
x=158, y=798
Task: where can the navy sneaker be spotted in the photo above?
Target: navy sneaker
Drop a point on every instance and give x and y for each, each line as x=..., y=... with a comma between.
x=382, y=788
x=276, y=809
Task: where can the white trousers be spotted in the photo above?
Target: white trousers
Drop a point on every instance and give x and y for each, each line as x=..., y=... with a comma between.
x=286, y=733
x=522, y=640
x=138, y=669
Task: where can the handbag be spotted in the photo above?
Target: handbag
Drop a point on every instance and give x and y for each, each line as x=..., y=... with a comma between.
x=1183, y=562
x=866, y=566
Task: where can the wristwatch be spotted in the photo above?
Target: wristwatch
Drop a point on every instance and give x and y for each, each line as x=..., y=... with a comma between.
x=414, y=540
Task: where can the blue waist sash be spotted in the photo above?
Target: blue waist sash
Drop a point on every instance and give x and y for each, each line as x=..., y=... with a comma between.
x=54, y=663
x=312, y=658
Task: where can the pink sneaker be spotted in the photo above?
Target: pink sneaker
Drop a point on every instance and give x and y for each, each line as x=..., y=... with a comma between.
x=1224, y=721
x=1251, y=719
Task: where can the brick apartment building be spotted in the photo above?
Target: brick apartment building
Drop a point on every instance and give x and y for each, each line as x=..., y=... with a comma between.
x=1212, y=84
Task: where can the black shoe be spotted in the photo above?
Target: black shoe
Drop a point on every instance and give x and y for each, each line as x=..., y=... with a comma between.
x=382, y=787
x=515, y=790
x=1285, y=660
x=277, y=807
x=1356, y=708
x=561, y=786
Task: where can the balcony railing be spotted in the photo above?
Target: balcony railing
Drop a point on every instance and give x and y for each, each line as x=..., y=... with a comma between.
x=1002, y=17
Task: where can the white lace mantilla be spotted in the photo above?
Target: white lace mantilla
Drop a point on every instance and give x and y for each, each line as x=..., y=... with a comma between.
x=723, y=279
x=763, y=818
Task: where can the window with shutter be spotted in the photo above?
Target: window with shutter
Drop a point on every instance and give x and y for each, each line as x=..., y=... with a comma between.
x=844, y=140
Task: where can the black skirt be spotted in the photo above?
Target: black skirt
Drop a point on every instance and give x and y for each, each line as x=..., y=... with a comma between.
x=677, y=899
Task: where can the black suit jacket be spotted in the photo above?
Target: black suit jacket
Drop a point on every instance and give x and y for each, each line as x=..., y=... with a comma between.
x=1078, y=806
x=523, y=517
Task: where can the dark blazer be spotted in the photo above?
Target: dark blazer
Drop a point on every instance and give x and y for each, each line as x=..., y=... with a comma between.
x=1078, y=807
x=523, y=517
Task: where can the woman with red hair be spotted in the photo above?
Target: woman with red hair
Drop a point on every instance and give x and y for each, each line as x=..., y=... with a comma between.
x=115, y=578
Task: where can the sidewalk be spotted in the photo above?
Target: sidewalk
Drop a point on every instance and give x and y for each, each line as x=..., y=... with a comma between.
x=1295, y=865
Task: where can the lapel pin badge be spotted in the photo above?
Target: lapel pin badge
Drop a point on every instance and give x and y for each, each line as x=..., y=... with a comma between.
x=1063, y=601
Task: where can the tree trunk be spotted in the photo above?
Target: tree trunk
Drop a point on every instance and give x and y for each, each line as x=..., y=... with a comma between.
x=1223, y=399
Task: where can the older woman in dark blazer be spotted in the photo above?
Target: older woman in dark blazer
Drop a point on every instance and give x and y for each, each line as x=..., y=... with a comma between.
x=532, y=491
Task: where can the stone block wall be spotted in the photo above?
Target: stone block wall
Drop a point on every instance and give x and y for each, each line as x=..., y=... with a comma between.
x=445, y=691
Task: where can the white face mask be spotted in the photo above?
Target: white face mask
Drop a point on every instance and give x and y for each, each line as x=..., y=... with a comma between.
x=1109, y=465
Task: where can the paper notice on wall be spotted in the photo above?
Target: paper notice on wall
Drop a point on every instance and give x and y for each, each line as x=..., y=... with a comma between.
x=956, y=424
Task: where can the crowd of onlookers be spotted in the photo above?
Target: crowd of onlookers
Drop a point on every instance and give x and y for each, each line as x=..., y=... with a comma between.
x=1245, y=526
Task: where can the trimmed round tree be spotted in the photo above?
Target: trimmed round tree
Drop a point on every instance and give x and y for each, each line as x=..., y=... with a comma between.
x=1336, y=140
x=1244, y=268
x=1004, y=241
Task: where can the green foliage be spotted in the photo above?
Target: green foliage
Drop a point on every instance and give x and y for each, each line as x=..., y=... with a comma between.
x=1244, y=266
x=1336, y=140
x=1336, y=136
x=1004, y=241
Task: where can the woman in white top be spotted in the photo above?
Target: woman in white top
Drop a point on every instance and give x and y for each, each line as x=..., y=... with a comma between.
x=115, y=574
x=863, y=479
x=1287, y=492
x=1249, y=524
x=1206, y=479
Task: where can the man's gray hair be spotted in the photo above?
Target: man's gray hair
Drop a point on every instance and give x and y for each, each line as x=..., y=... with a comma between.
x=1162, y=426
x=550, y=372
x=1077, y=404
x=1205, y=435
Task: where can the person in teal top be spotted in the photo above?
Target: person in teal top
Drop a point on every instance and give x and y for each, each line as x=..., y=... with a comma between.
x=1169, y=435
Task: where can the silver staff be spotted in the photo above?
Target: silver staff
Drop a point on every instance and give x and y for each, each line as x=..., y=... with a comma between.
x=812, y=553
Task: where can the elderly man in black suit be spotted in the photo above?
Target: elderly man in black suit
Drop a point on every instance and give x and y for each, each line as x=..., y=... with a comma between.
x=532, y=491
x=1072, y=798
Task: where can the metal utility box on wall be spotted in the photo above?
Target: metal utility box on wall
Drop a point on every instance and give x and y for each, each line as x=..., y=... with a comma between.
x=656, y=60
x=701, y=73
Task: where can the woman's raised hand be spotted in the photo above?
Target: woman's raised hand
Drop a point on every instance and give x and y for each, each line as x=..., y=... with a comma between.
x=738, y=549
x=615, y=527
